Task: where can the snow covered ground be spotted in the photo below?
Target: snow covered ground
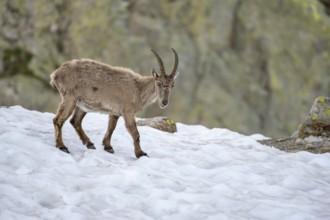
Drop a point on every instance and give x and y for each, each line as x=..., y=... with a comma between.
x=196, y=173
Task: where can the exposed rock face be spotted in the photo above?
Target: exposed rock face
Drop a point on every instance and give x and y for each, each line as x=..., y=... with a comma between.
x=241, y=62
x=318, y=120
x=160, y=123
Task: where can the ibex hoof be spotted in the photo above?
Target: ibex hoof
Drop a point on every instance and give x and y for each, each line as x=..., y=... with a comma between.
x=65, y=150
x=109, y=150
x=142, y=154
x=91, y=146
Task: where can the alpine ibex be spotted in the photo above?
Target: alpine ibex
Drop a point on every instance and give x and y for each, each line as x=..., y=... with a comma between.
x=89, y=86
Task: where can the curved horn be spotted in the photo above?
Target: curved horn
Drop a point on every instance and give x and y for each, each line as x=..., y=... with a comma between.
x=160, y=62
x=176, y=62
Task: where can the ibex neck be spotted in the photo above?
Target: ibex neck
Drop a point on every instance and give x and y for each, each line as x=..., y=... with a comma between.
x=148, y=91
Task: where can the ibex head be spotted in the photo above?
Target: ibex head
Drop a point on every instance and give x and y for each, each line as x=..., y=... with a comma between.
x=164, y=83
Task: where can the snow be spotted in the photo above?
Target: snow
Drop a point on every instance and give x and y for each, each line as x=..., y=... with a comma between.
x=196, y=173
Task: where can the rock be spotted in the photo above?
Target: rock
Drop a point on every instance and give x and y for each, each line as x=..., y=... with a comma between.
x=295, y=134
x=292, y=145
x=318, y=121
x=313, y=134
x=160, y=123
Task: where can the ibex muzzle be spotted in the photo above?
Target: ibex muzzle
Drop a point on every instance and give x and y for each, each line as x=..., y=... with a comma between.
x=89, y=86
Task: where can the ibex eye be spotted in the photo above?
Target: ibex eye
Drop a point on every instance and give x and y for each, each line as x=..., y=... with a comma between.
x=159, y=84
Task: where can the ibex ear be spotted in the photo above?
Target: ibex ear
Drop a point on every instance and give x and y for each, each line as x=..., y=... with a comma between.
x=154, y=73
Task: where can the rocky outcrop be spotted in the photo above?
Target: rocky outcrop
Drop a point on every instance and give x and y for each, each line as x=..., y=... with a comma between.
x=313, y=134
x=318, y=121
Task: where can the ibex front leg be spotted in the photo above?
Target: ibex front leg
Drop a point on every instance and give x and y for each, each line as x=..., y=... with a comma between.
x=131, y=127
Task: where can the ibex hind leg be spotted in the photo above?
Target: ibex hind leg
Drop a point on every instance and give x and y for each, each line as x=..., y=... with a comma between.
x=76, y=120
x=64, y=110
x=107, y=137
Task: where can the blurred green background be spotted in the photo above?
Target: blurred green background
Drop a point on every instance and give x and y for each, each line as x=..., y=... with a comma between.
x=253, y=66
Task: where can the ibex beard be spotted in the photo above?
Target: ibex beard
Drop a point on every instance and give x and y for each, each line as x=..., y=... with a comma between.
x=86, y=85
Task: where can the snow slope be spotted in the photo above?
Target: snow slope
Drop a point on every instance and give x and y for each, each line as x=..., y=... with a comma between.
x=196, y=173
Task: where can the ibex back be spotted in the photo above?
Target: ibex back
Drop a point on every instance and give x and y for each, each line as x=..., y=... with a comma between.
x=89, y=86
